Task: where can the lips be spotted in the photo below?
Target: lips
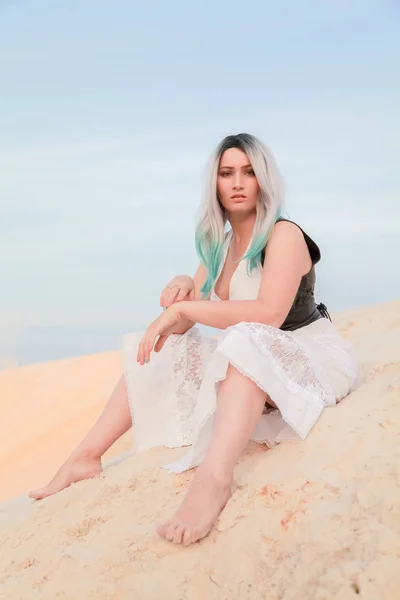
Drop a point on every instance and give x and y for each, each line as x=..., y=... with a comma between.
x=238, y=197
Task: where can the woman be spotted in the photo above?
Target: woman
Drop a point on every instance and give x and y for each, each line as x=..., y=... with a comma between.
x=268, y=378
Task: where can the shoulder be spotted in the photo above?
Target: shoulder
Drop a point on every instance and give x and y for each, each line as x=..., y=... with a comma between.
x=287, y=233
x=286, y=253
x=287, y=248
x=292, y=233
x=287, y=228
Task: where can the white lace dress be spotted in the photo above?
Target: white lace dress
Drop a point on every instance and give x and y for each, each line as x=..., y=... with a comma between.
x=173, y=398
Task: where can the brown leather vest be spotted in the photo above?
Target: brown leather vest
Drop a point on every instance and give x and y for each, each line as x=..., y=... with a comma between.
x=304, y=308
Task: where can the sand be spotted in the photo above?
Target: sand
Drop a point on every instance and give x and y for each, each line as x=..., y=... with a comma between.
x=317, y=520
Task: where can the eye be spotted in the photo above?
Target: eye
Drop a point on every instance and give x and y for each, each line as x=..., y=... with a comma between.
x=250, y=172
x=225, y=173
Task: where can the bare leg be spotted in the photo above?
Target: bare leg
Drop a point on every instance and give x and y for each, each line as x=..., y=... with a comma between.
x=240, y=404
x=85, y=460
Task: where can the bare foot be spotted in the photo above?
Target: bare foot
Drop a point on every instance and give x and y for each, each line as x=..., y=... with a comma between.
x=73, y=470
x=204, y=501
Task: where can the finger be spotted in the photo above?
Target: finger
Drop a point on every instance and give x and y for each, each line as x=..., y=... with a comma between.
x=141, y=355
x=182, y=294
x=142, y=352
x=171, y=297
x=165, y=293
x=160, y=343
x=148, y=348
x=139, y=352
x=162, y=296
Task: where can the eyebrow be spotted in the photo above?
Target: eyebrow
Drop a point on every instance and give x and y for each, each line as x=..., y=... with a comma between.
x=229, y=167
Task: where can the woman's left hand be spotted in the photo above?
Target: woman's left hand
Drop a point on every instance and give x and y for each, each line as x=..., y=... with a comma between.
x=163, y=323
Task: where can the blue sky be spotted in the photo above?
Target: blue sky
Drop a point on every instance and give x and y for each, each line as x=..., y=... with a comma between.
x=111, y=109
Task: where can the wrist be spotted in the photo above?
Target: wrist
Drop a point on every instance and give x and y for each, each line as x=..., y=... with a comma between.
x=181, y=307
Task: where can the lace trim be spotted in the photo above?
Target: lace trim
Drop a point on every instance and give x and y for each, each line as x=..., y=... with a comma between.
x=175, y=396
x=274, y=411
x=338, y=349
x=293, y=369
x=290, y=361
x=190, y=356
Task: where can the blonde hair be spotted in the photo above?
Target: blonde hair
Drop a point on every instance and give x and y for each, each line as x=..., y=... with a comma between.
x=210, y=231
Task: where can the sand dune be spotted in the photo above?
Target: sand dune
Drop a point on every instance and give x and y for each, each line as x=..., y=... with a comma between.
x=316, y=520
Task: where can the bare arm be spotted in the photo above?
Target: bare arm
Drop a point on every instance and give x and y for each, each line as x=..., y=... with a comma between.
x=184, y=323
x=199, y=278
x=287, y=259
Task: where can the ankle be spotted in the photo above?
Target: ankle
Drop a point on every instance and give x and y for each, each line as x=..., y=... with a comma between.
x=223, y=477
x=79, y=455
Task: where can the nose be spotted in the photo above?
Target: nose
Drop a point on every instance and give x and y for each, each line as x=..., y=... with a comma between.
x=237, y=183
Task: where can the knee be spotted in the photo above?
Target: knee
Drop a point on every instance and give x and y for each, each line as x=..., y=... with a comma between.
x=232, y=373
x=235, y=377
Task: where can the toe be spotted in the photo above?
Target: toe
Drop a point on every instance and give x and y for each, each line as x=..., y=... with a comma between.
x=37, y=494
x=187, y=536
x=169, y=534
x=198, y=533
x=179, y=531
x=161, y=528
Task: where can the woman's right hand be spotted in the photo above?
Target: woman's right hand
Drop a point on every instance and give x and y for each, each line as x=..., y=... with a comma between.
x=178, y=289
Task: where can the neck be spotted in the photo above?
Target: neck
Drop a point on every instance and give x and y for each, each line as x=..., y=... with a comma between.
x=242, y=228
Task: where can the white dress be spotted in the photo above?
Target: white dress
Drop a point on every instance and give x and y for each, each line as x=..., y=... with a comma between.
x=173, y=398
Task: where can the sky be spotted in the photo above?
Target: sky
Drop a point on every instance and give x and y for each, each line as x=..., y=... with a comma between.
x=109, y=112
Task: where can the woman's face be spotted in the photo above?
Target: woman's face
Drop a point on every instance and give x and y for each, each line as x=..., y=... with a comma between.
x=237, y=185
